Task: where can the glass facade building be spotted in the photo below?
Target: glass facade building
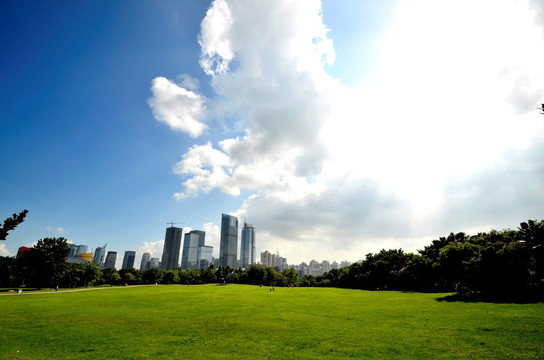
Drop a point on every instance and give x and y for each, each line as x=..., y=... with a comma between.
x=247, y=248
x=99, y=255
x=128, y=259
x=111, y=258
x=171, y=249
x=228, y=247
x=204, y=256
x=145, y=260
x=189, y=258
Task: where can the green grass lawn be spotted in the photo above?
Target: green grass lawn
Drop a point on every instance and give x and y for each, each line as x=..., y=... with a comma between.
x=241, y=322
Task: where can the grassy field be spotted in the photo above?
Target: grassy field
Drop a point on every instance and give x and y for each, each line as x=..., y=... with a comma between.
x=241, y=322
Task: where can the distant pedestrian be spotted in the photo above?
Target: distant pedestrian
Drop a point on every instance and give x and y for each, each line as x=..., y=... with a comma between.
x=57, y=288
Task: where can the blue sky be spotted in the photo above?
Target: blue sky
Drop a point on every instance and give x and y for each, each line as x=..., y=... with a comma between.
x=365, y=125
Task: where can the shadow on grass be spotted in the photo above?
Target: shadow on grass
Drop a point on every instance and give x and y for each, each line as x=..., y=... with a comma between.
x=496, y=299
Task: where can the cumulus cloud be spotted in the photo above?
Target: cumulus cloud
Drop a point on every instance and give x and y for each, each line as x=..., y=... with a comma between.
x=179, y=107
x=154, y=248
x=413, y=152
x=4, y=250
x=58, y=230
x=213, y=237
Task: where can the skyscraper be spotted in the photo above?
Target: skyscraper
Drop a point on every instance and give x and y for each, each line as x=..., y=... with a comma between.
x=153, y=263
x=99, y=255
x=111, y=258
x=170, y=251
x=201, y=236
x=128, y=260
x=193, y=239
x=204, y=256
x=228, y=247
x=145, y=259
x=248, y=246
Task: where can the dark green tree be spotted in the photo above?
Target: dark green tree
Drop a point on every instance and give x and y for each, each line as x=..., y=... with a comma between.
x=72, y=276
x=130, y=276
x=48, y=261
x=11, y=223
x=110, y=276
x=170, y=277
x=291, y=276
x=91, y=274
x=208, y=275
x=152, y=276
x=8, y=271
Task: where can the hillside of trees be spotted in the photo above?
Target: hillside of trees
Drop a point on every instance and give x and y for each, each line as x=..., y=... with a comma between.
x=507, y=264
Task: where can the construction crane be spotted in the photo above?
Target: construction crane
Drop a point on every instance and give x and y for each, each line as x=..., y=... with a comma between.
x=172, y=223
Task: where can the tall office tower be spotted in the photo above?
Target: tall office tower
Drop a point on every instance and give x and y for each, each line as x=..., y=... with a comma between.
x=170, y=251
x=193, y=239
x=153, y=263
x=201, y=236
x=326, y=266
x=128, y=260
x=248, y=246
x=145, y=260
x=264, y=258
x=228, y=248
x=99, y=255
x=204, y=256
x=111, y=258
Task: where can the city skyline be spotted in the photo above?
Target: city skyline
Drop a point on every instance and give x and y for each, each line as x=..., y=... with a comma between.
x=345, y=128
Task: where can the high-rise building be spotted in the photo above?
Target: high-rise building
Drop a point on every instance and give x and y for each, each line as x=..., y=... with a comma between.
x=247, y=248
x=145, y=260
x=170, y=251
x=201, y=236
x=99, y=255
x=111, y=258
x=128, y=259
x=153, y=263
x=204, y=256
x=228, y=247
x=192, y=240
x=326, y=266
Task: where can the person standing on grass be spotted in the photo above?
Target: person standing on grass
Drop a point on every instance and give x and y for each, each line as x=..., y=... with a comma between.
x=57, y=288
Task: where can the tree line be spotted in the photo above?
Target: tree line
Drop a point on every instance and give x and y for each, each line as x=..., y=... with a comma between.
x=507, y=263
x=498, y=264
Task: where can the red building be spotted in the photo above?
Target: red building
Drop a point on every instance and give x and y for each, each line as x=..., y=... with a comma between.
x=22, y=250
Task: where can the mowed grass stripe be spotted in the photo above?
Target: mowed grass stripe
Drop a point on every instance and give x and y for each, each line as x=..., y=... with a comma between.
x=240, y=322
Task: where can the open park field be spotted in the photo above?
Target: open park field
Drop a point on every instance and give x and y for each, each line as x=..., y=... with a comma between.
x=244, y=322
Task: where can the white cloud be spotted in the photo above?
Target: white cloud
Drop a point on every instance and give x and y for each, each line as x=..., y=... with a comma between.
x=4, y=250
x=154, y=248
x=58, y=230
x=213, y=236
x=337, y=170
x=180, y=108
x=214, y=41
